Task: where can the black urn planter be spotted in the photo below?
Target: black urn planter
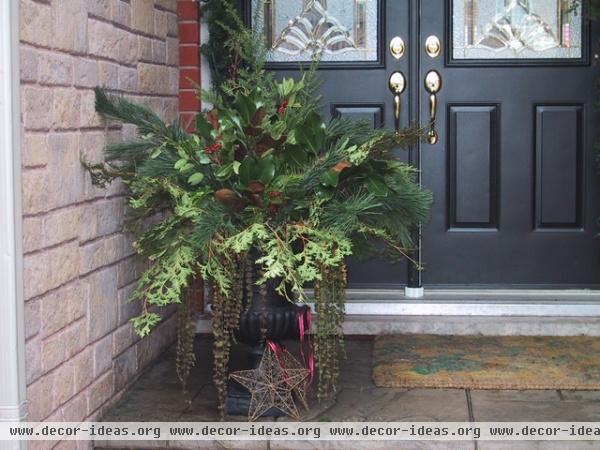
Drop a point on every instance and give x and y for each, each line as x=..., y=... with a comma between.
x=266, y=316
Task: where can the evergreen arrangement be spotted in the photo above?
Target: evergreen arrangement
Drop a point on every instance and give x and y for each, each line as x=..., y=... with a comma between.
x=263, y=171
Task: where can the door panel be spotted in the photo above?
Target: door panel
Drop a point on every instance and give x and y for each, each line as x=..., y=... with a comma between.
x=513, y=171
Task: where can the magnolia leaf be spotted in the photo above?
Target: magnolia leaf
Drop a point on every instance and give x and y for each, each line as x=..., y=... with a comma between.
x=331, y=178
x=266, y=168
x=376, y=186
x=204, y=128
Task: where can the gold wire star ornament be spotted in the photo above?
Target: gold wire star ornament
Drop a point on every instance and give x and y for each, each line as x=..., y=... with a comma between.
x=271, y=385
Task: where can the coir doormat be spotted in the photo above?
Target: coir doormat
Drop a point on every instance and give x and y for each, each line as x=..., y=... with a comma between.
x=487, y=362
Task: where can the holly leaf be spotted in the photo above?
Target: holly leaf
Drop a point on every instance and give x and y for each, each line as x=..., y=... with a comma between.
x=196, y=178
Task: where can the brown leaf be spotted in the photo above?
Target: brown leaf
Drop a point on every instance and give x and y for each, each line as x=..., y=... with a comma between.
x=229, y=198
x=213, y=118
x=256, y=187
x=258, y=116
x=341, y=166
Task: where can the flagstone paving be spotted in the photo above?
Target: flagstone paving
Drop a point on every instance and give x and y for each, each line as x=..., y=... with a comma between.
x=157, y=396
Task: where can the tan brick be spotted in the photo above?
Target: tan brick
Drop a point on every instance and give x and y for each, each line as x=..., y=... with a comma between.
x=61, y=225
x=100, y=391
x=172, y=27
x=103, y=39
x=66, y=184
x=127, y=309
x=78, y=303
x=35, y=23
x=125, y=368
x=122, y=14
x=86, y=73
x=127, y=271
x=51, y=268
x=102, y=309
x=160, y=24
x=33, y=238
x=123, y=338
x=35, y=190
x=56, y=307
x=55, y=68
x=172, y=51
x=103, y=8
x=128, y=47
x=33, y=359
x=40, y=403
x=76, y=409
x=92, y=145
x=103, y=355
x=109, y=75
x=54, y=351
x=171, y=109
x=142, y=15
x=40, y=445
x=101, y=253
x=152, y=79
x=77, y=335
x=63, y=384
x=102, y=217
x=66, y=108
x=28, y=64
x=83, y=365
x=144, y=49
x=69, y=25
x=32, y=318
x=171, y=5
x=38, y=108
x=89, y=118
x=128, y=79
x=34, y=150
x=159, y=52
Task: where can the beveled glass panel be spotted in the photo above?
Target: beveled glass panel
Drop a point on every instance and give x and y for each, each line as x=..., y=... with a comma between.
x=516, y=29
x=339, y=30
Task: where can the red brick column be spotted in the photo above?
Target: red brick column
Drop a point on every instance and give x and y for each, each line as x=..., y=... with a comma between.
x=188, y=19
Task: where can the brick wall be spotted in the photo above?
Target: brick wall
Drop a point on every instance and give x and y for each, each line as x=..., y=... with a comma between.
x=189, y=60
x=78, y=265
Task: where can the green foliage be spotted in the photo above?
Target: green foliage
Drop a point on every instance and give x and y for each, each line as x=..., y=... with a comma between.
x=262, y=171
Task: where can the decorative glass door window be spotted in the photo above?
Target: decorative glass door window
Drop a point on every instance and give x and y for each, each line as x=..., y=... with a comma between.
x=339, y=30
x=516, y=29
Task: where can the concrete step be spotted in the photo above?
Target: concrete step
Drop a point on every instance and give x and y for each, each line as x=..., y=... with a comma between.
x=462, y=325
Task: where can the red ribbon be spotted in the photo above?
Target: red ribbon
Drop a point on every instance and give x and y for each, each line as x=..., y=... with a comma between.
x=305, y=314
x=304, y=318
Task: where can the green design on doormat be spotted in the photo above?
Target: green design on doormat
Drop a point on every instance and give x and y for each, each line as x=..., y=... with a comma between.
x=451, y=363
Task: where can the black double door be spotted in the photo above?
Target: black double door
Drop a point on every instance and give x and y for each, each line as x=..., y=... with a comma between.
x=513, y=166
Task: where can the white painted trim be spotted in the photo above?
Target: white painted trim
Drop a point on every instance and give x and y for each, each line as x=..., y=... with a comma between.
x=12, y=339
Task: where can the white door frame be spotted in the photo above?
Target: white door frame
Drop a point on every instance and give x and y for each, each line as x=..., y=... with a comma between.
x=12, y=336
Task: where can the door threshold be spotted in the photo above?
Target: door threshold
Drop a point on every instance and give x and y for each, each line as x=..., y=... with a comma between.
x=476, y=302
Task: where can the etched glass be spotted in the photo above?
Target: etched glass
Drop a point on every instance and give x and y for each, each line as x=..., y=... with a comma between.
x=516, y=29
x=338, y=30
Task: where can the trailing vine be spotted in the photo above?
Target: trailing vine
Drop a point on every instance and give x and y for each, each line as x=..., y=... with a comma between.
x=330, y=297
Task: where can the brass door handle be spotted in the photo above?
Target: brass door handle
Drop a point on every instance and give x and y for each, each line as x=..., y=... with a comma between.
x=397, y=84
x=433, y=84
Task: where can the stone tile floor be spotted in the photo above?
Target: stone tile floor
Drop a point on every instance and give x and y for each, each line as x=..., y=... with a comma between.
x=157, y=396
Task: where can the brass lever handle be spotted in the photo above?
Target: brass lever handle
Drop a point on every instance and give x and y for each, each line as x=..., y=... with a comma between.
x=433, y=84
x=397, y=84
